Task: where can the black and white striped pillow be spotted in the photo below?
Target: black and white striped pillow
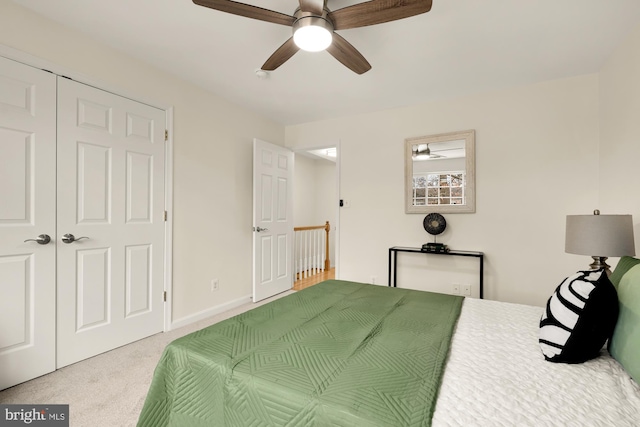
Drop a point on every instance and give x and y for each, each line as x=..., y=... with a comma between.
x=579, y=318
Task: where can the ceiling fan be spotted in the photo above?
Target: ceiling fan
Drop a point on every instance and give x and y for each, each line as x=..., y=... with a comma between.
x=314, y=25
x=424, y=154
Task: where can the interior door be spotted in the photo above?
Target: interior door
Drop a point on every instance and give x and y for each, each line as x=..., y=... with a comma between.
x=111, y=157
x=27, y=209
x=272, y=219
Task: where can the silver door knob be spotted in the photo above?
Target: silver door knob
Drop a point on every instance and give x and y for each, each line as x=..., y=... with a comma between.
x=42, y=239
x=258, y=229
x=70, y=238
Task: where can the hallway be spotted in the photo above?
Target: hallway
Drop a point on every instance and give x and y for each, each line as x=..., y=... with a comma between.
x=301, y=284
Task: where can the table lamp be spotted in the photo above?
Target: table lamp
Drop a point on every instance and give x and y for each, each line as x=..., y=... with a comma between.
x=600, y=236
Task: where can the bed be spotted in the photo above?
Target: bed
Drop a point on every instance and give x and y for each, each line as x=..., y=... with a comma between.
x=351, y=354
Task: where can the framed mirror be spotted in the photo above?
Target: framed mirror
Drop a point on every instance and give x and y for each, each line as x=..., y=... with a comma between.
x=440, y=173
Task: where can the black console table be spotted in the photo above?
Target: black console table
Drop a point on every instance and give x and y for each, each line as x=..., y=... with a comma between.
x=393, y=258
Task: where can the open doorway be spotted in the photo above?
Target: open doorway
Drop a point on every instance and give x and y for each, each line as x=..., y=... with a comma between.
x=316, y=201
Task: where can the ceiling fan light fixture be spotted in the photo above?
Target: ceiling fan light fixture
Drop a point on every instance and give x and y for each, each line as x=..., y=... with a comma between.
x=419, y=154
x=312, y=33
x=323, y=22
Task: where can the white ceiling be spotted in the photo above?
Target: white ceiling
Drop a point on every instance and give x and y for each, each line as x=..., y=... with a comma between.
x=459, y=47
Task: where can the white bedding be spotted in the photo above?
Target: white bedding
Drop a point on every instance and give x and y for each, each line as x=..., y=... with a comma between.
x=497, y=376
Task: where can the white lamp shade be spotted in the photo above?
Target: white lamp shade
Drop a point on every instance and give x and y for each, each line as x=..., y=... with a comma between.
x=312, y=33
x=600, y=235
x=312, y=38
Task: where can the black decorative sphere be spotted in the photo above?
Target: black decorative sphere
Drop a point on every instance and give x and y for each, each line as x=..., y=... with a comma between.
x=434, y=223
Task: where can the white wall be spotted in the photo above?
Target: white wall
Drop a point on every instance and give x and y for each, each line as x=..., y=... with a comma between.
x=315, y=197
x=327, y=201
x=304, y=196
x=536, y=161
x=212, y=157
x=620, y=132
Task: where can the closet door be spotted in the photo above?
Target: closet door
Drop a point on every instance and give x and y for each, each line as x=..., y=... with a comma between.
x=27, y=210
x=111, y=154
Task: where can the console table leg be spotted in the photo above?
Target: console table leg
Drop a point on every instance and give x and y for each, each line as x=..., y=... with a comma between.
x=481, y=277
x=389, y=268
x=395, y=269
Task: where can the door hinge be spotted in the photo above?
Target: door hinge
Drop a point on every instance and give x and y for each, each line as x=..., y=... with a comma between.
x=165, y=296
x=166, y=135
x=165, y=215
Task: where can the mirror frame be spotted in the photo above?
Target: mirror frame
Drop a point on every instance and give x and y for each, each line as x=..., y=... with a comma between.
x=469, y=137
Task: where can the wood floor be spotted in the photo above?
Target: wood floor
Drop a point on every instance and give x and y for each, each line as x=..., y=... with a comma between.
x=315, y=279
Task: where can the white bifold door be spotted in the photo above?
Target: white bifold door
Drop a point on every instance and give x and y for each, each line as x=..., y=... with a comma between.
x=110, y=221
x=82, y=181
x=27, y=210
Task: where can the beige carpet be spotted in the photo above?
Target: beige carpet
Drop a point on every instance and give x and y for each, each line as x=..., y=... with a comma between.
x=109, y=389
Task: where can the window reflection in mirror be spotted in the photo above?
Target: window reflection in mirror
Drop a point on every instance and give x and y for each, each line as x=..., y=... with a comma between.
x=440, y=173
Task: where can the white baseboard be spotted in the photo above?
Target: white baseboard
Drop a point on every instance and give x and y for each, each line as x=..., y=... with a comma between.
x=192, y=318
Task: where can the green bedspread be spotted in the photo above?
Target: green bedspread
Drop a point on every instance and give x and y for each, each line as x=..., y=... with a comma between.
x=336, y=354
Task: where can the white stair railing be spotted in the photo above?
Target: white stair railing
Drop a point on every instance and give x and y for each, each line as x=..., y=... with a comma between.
x=311, y=250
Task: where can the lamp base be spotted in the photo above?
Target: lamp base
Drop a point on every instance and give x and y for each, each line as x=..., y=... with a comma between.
x=600, y=262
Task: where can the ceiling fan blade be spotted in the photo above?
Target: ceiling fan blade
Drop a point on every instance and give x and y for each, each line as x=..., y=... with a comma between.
x=281, y=55
x=376, y=12
x=248, y=11
x=314, y=6
x=344, y=52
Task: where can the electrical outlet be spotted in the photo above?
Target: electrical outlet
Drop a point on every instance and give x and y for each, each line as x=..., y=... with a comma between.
x=455, y=289
x=373, y=280
x=215, y=285
x=466, y=289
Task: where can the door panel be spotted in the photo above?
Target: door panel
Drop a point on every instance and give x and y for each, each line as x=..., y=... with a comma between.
x=138, y=188
x=273, y=219
x=17, y=287
x=94, y=184
x=138, y=289
x=27, y=209
x=92, y=288
x=283, y=264
x=111, y=191
x=17, y=195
